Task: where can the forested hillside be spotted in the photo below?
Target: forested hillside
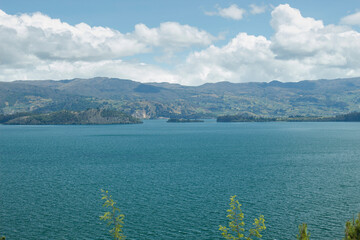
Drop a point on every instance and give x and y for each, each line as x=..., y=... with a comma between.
x=154, y=100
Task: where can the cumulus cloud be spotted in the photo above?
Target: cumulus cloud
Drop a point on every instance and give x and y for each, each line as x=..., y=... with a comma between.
x=295, y=36
x=60, y=69
x=353, y=19
x=39, y=47
x=232, y=62
x=46, y=38
x=26, y=38
x=301, y=48
x=312, y=42
x=172, y=35
x=255, y=9
x=35, y=46
x=232, y=12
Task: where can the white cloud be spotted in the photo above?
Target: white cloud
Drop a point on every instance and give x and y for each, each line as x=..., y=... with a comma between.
x=232, y=12
x=37, y=46
x=295, y=36
x=353, y=19
x=310, y=41
x=27, y=37
x=172, y=35
x=301, y=48
x=40, y=36
x=233, y=62
x=255, y=9
x=58, y=70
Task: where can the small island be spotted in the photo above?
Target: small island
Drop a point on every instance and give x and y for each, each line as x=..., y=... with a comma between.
x=245, y=117
x=65, y=117
x=183, y=120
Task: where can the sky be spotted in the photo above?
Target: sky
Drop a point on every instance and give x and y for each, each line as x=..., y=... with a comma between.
x=186, y=42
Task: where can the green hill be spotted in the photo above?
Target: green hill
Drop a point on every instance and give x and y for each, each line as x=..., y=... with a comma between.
x=153, y=100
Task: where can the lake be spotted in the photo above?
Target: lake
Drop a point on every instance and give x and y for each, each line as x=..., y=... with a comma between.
x=174, y=180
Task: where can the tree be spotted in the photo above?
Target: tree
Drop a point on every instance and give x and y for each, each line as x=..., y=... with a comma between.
x=113, y=217
x=303, y=232
x=236, y=229
x=352, y=230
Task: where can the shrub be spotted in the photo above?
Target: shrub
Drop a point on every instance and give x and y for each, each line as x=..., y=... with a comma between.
x=236, y=228
x=113, y=217
x=352, y=229
x=303, y=232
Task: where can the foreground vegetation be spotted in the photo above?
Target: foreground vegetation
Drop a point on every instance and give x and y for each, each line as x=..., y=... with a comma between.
x=113, y=217
x=236, y=229
x=236, y=226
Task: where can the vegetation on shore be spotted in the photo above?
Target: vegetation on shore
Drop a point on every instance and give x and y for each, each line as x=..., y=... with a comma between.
x=183, y=120
x=245, y=117
x=350, y=117
x=108, y=116
x=64, y=117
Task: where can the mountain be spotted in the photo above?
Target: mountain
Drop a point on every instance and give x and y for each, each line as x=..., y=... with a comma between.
x=153, y=100
x=65, y=117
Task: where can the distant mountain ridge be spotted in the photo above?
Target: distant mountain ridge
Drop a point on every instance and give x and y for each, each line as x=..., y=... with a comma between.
x=154, y=100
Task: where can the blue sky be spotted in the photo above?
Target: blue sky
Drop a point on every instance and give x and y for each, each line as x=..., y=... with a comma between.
x=188, y=42
x=123, y=15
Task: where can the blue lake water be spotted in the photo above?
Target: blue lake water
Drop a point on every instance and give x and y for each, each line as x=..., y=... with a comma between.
x=174, y=180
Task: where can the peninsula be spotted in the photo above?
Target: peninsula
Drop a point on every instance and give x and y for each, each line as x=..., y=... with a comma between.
x=245, y=117
x=65, y=117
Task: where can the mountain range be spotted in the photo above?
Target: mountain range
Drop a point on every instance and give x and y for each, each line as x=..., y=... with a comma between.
x=155, y=100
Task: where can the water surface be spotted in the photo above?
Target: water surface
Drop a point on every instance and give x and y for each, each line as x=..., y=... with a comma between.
x=174, y=180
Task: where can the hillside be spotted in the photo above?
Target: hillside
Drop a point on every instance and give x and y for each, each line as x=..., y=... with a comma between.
x=90, y=116
x=153, y=100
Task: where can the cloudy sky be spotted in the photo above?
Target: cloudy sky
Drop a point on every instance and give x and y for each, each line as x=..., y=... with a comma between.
x=186, y=42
